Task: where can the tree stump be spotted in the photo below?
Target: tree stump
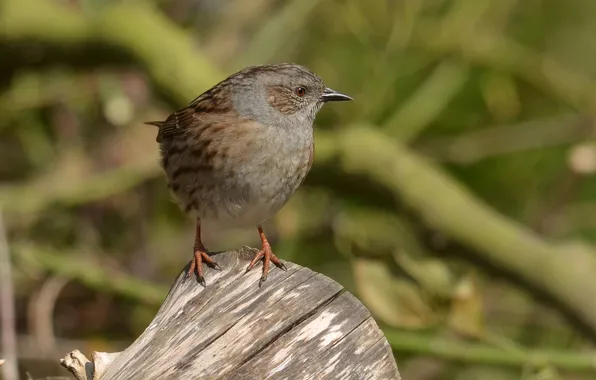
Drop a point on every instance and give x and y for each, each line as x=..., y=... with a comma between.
x=298, y=325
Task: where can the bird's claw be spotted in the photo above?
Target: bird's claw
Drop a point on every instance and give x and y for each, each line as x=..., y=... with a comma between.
x=263, y=279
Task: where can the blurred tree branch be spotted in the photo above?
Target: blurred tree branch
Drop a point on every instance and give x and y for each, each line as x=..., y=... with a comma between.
x=500, y=140
x=444, y=348
x=482, y=46
x=73, y=266
x=83, y=189
x=7, y=312
x=138, y=29
x=428, y=101
x=40, y=313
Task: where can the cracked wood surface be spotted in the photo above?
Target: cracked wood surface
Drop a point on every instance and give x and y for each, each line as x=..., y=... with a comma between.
x=298, y=325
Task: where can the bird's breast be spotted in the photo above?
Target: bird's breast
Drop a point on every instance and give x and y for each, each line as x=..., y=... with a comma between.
x=280, y=165
x=269, y=174
x=241, y=177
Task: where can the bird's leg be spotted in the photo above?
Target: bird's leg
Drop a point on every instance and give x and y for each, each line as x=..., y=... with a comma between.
x=200, y=254
x=267, y=255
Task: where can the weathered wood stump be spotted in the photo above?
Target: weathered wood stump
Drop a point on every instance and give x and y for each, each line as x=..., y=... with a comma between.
x=298, y=325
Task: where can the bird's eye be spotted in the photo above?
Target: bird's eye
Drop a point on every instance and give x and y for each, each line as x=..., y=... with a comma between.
x=300, y=91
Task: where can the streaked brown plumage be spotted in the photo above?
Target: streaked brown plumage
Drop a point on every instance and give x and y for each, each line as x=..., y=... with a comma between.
x=238, y=152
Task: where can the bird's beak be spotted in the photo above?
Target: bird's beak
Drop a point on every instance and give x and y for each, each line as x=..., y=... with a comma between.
x=330, y=95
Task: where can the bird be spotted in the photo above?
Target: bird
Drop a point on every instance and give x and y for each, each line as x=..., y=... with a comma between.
x=238, y=152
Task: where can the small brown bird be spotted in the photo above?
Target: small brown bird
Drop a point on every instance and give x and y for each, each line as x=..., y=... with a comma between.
x=239, y=151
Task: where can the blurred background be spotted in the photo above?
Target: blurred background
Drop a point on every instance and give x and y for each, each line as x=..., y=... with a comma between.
x=455, y=197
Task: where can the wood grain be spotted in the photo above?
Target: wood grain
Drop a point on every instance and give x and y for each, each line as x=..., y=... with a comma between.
x=298, y=325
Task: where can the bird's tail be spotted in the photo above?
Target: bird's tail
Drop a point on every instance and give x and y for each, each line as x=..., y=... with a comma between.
x=158, y=124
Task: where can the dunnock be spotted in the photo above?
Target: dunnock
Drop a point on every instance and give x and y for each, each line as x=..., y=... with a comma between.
x=238, y=152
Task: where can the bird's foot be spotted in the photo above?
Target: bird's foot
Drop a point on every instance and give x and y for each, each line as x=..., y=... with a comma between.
x=268, y=257
x=196, y=263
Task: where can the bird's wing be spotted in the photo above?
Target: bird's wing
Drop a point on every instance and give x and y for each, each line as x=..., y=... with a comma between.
x=176, y=123
x=215, y=101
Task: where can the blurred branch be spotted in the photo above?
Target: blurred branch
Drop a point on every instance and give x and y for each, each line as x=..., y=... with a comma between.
x=564, y=274
x=7, y=312
x=41, y=313
x=277, y=32
x=139, y=29
x=425, y=105
x=87, y=188
x=482, y=46
x=229, y=35
x=474, y=353
x=495, y=141
x=70, y=265
x=29, y=349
